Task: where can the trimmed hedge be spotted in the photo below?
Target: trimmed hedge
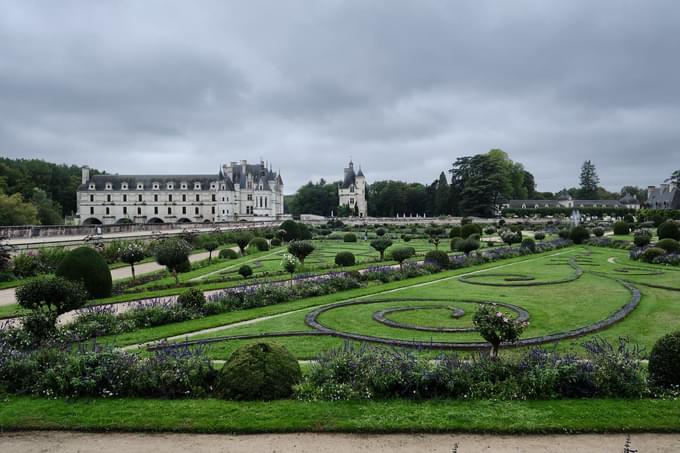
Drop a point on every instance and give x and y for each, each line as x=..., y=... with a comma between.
x=664, y=363
x=349, y=237
x=87, y=266
x=669, y=245
x=669, y=230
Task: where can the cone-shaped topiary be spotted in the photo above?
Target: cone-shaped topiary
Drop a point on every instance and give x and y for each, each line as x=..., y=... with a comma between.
x=261, y=371
x=87, y=266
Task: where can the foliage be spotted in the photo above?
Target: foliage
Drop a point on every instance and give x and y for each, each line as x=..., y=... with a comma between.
x=242, y=239
x=172, y=253
x=131, y=253
x=496, y=327
x=528, y=244
x=260, y=371
x=301, y=249
x=25, y=265
x=669, y=245
x=291, y=229
x=245, y=271
x=349, y=237
x=289, y=263
x=455, y=232
x=401, y=254
x=14, y=211
x=437, y=258
x=589, y=182
x=275, y=242
x=209, y=242
x=579, y=234
x=642, y=238
x=669, y=230
x=621, y=228
x=598, y=232
x=380, y=244
x=469, y=229
x=651, y=254
x=85, y=265
x=260, y=244
x=664, y=366
x=228, y=254
x=345, y=259
x=314, y=198
x=467, y=245
x=192, y=299
x=511, y=237
x=539, y=235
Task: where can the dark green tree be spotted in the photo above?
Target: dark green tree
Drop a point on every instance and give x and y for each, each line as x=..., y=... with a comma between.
x=589, y=182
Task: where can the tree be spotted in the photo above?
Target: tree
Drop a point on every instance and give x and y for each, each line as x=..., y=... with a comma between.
x=589, y=182
x=173, y=253
x=467, y=245
x=435, y=233
x=300, y=250
x=496, y=327
x=5, y=254
x=292, y=230
x=480, y=182
x=131, y=253
x=441, y=196
x=314, y=198
x=49, y=212
x=401, y=254
x=14, y=211
x=381, y=244
x=245, y=271
x=289, y=263
x=210, y=243
x=242, y=239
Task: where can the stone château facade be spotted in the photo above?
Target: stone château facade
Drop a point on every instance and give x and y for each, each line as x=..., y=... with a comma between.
x=352, y=192
x=566, y=201
x=240, y=191
x=666, y=196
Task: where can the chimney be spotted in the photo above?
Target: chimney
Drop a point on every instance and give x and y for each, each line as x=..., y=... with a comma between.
x=244, y=163
x=85, y=174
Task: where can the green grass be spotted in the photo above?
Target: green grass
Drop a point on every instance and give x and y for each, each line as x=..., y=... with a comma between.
x=216, y=416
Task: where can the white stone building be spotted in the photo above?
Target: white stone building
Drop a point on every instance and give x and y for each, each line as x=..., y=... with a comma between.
x=352, y=192
x=240, y=191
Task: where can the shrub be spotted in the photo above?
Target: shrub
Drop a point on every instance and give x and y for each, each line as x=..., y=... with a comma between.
x=25, y=265
x=245, y=271
x=131, y=253
x=261, y=371
x=276, y=242
x=496, y=327
x=511, y=237
x=242, y=239
x=669, y=230
x=598, y=232
x=381, y=244
x=49, y=296
x=642, y=238
x=229, y=254
x=401, y=254
x=345, y=259
x=260, y=244
x=192, y=299
x=579, y=234
x=539, y=236
x=455, y=232
x=49, y=259
x=301, y=249
x=528, y=244
x=621, y=228
x=437, y=258
x=406, y=238
x=209, y=242
x=669, y=245
x=349, y=237
x=454, y=243
x=469, y=229
x=291, y=231
x=651, y=254
x=467, y=245
x=564, y=233
x=664, y=363
x=489, y=230
x=173, y=253
x=289, y=264
x=85, y=265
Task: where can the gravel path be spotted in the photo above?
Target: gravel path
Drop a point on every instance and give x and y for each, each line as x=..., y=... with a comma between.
x=71, y=442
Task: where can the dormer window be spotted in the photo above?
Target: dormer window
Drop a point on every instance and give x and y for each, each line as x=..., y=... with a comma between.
x=212, y=186
x=108, y=186
x=91, y=186
x=155, y=186
x=124, y=186
x=197, y=186
x=140, y=186
x=223, y=186
x=184, y=186
x=170, y=186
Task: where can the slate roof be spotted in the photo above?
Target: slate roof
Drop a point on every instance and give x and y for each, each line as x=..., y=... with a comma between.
x=116, y=181
x=664, y=198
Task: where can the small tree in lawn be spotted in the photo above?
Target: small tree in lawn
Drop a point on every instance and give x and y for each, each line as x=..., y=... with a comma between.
x=210, y=243
x=49, y=296
x=511, y=237
x=380, y=245
x=131, y=253
x=300, y=250
x=467, y=245
x=289, y=264
x=497, y=327
x=242, y=239
x=173, y=253
x=402, y=254
x=435, y=233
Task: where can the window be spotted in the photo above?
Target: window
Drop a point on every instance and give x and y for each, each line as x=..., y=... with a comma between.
x=155, y=186
x=197, y=186
x=184, y=186
x=170, y=186
x=184, y=209
x=198, y=197
x=140, y=186
x=214, y=197
x=91, y=210
x=184, y=197
x=249, y=209
x=108, y=211
x=91, y=186
x=213, y=209
x=196, y=210
x=155, y=210
x=169, y=197
x=91, y=198
x=212, y=186
x=124, y=186
x=169, y=210
x=139, y=211
x=124, y=210
x=139, y=197
x=222, y=186
x=108, y=186
x=108, y=198
x=124, y=198
x=250, y=197
x=265, y=202
x=155, y=197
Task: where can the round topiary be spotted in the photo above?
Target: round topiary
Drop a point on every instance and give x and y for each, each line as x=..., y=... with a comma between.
x=437, y=258
x=467, y=245
x=245, y=271
x=260, y=371
x=664, y=366
x=669, y=230
x=669, y=245
x=349, y=237
x=455, y=232
x=579, y=234
x=87, y=266
x=469, y=229
x=454, y=243
x=276, y=242
x=192, y=298
x=599, y=232
x=291, y=230
x=641, y=239
x=528, y=244
x=649, y=255
x=345, y=259
x=229, y=254
x=260, y=244
x=539, y=235
x=621, y=228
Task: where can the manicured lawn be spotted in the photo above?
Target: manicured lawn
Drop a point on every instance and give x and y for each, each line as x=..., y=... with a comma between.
x=216, y=416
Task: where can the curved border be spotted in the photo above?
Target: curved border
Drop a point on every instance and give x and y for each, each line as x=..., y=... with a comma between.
x=578, y=272
x=379, y=316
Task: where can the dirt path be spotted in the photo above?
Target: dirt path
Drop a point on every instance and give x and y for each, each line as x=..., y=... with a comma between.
x=55, y=441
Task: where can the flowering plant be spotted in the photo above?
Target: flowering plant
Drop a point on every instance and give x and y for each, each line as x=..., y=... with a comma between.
x=497, y=327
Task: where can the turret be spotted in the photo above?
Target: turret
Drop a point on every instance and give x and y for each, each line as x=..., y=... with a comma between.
x=84, y=174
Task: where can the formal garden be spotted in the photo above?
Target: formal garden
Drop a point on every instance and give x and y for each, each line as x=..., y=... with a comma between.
x=488, y=327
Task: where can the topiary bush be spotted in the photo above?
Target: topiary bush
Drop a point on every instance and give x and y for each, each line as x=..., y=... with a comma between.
x=539, y=235
x=528, y=244
x=669, y=245
x=229, y=254
x=579, y=234
x=469, y=229
x=621, y=228
x=664, y=361
x=345, y=259
x=642, y=238
x=401, y=254
x=455, y=232
x=245, y=271
x=260, y=371
x=349, y=237
x=260, y=244
x=301, y=249
x=437, y=258
x=649, y=255
x=85, y=265
x=454, y=243
x=291, y=230
x=192, y=299
x=598, y=232
x=467, y=245
x=669, y=230
x=173, y=253
x=276, y=242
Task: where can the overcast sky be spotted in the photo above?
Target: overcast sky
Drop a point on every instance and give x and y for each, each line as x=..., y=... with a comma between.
x=403, y=87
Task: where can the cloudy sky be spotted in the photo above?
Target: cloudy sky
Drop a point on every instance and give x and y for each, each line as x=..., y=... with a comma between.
x=404, y=87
